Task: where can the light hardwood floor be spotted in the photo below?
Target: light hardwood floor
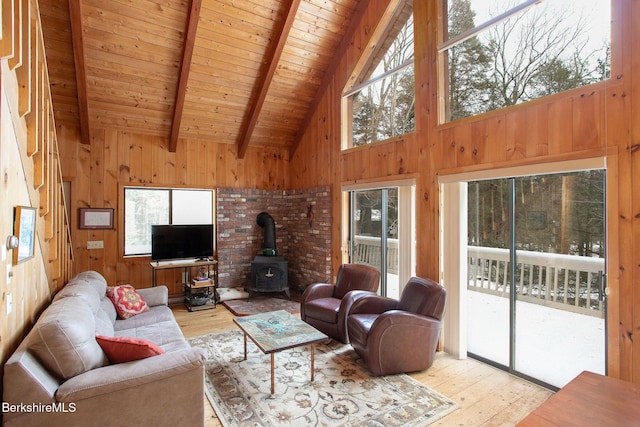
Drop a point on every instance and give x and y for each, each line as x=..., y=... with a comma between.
x=486, y=396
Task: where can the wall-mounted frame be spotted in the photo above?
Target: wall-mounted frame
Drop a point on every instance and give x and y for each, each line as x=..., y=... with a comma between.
x=93, y=218
x=24, y=227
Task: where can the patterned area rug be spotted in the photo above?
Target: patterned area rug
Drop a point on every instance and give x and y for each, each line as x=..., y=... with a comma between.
x=343, y=393
x=260, y=304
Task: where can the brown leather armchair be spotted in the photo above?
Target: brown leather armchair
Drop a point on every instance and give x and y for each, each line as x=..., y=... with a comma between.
x=325, y=306
x=394, y=336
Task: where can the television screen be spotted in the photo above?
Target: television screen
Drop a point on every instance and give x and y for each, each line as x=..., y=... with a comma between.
x=181, y=241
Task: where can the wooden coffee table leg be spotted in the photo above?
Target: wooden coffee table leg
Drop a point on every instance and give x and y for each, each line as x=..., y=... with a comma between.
x=245, y=346
x=313, y=371
x=272, y=374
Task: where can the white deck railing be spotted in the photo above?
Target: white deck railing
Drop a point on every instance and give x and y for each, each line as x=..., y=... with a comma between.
x=567, y=282
x=368, y=250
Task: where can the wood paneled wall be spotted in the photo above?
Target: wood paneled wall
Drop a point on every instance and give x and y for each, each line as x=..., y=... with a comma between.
x=115, y=158
x=30, y=174
x=597, y=120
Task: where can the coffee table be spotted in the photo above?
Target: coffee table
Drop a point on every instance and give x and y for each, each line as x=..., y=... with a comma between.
x=276, y=331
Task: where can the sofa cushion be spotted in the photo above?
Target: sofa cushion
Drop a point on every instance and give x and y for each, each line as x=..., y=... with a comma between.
x=64, y=339
x=164, y=334
x=109, y=310
x=125, y=349
x=324, y=309
x=95, y=280
x=81, y=289
x=104, y=324
x=102, y=308
x=127, y=301
x=157, y=325
x=157, y=295
x=153, y=316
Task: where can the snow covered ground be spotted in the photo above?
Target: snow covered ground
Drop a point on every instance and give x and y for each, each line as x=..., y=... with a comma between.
x=552, y=345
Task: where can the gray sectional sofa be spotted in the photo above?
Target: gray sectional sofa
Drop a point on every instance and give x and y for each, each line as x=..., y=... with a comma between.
x=59, y=375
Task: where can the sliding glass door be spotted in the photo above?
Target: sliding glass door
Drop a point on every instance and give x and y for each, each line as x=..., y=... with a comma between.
x=489, y=291
x=536, y=295
x=374, y=239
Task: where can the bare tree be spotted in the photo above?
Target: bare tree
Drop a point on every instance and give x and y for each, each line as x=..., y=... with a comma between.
x=537, y=53
x=386, y=108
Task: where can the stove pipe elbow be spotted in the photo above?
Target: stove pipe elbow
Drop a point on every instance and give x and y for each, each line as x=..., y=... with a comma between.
x=265, y=221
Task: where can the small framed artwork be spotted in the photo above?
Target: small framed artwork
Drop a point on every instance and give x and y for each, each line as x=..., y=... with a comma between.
x=94, y=218
x=24, y=227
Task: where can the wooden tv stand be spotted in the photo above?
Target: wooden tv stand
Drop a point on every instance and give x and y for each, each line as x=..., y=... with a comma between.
x=193, y=287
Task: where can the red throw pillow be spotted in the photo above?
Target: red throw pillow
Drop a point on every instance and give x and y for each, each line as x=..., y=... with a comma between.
x=124, y=349
x=127, y=301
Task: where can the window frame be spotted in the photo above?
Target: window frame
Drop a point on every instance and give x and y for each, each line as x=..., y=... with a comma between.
x=444, y=45
x=355, y=83
x=406, y=222
x=453, y=236
x=487, y=25
x=170, y=188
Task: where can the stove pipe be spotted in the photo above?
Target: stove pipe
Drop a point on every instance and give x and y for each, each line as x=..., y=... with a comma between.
x=265, y=221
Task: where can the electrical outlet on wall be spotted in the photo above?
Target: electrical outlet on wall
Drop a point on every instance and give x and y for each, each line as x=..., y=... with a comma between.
x=95, y=244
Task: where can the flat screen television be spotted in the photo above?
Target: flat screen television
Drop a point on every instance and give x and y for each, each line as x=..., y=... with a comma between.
x=181, y=241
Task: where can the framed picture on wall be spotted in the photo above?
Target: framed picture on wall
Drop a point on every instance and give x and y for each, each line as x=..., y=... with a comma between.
x=24, y=227
x=96, y=218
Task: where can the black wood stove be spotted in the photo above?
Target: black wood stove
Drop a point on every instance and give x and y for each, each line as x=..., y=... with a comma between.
x=269, y=272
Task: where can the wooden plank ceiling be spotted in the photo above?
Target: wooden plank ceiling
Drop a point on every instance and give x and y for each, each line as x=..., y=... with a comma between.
x=243, y=72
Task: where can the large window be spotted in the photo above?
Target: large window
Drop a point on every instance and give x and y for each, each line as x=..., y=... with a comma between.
x=145, y=206
x=379, y=102
x=499, y=53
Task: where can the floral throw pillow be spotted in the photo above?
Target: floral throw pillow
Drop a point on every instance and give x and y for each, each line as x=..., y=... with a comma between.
x=125, y=349
x=127, y=301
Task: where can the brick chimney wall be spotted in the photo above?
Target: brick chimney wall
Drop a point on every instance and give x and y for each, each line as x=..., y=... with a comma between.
x=306, y=244
x=309, y=237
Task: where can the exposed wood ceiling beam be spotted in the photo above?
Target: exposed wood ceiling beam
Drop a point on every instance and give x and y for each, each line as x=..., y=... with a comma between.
x=265, y=82
x=328, y=75
x=75, y=17
x=185, y=68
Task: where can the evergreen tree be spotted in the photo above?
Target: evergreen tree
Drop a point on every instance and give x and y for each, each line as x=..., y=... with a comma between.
x=468, y=65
